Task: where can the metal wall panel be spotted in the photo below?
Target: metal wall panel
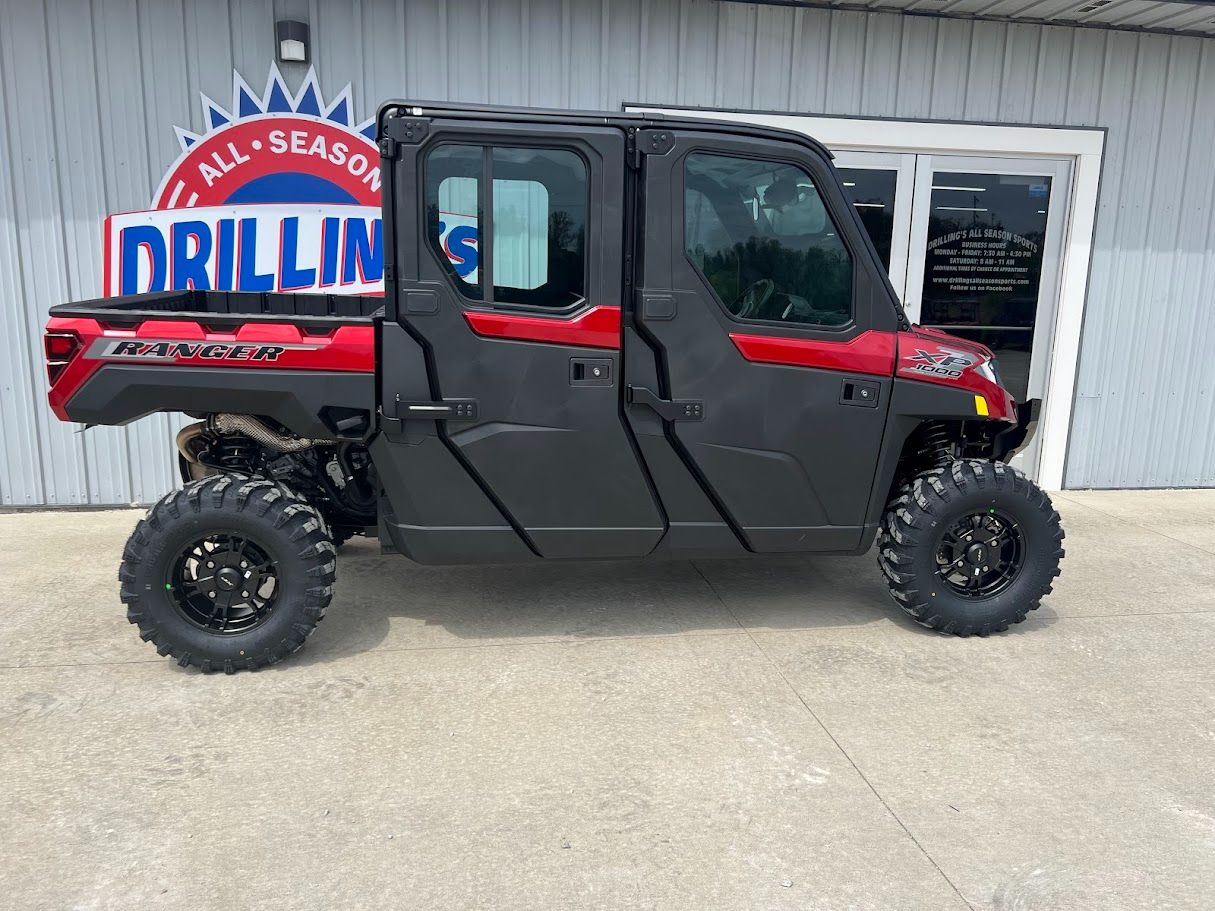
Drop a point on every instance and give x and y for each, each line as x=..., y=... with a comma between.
x=89, y=93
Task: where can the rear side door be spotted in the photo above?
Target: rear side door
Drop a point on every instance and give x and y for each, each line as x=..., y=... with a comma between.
x=509, y=264
x=772, y=335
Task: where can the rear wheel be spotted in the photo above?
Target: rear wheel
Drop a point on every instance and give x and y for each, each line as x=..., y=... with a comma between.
x=228, y=574
x=970, y=548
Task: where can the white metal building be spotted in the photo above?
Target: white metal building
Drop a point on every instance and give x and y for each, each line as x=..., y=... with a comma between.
x=1039, y=174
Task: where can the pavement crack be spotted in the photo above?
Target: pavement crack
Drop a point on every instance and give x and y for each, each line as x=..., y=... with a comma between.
x=839, y=746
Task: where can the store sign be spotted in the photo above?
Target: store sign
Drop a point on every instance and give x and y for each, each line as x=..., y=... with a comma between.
x=281, y=193
x=984, y=260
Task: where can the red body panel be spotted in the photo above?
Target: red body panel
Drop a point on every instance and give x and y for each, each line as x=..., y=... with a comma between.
x=598, y=327
x=261, y=346
x=933, y=356
x=922, y=355
x=870, y=352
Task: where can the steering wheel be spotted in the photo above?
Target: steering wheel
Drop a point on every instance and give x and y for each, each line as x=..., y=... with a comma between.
x=752, y=300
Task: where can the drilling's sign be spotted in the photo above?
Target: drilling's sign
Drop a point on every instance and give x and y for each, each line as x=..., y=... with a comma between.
x=281, y=193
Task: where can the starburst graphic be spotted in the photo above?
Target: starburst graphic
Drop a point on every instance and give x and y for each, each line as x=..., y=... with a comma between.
x=276, y=99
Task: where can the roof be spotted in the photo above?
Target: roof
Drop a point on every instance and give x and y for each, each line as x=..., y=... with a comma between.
x=1177, y=17
x=403, y=108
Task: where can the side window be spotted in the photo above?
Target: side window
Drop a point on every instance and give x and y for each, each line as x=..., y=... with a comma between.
x=760, y=235
x=453, y=211
x=536, y=238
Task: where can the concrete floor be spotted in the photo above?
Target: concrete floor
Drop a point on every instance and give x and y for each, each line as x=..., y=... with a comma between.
x=730, y=734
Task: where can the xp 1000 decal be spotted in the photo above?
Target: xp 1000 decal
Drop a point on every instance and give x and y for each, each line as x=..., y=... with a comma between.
x=942, y=362
x=280, y=192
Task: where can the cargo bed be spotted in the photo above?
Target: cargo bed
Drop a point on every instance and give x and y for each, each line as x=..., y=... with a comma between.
x=227, y=307
x=304, y=360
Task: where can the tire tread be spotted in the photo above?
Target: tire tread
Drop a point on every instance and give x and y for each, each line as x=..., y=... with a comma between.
x=913, y=509
x=268, y=501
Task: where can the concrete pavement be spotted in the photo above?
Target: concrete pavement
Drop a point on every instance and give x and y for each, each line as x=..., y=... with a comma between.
x=766, y=733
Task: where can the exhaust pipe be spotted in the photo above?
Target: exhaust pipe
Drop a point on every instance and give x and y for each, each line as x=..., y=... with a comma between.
x=258, y=432
x=186, y=436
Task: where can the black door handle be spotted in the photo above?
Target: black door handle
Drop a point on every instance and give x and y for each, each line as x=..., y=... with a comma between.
x=863, y=393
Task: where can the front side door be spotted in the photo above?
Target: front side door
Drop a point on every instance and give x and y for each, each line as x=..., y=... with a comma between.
x=511, y=281
x=766, y=310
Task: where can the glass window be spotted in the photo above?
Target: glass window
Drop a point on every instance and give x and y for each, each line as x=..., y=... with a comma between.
x=539, y=241
x=453, y=211
x=538, y=229
x=871, y=191
x=760, y=235
x=983, y=263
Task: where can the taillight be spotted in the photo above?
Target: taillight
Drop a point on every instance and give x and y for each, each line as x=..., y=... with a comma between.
x=60, y=347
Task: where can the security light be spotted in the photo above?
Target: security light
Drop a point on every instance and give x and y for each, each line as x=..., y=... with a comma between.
x=292, y=41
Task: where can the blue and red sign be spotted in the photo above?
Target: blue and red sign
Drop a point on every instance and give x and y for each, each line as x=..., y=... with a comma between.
x=281, y=193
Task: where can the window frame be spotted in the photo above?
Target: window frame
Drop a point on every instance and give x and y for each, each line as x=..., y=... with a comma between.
x=850, y=324
x=485, y=242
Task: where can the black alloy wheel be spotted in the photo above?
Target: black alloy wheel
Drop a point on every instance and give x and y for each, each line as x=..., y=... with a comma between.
x=980, y=555
x=224, y=583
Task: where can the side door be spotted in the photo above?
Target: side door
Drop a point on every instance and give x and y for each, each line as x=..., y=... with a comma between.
x=773, y=332
x=509, y=274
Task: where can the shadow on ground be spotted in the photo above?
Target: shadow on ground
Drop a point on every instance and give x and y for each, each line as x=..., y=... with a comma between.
x=387, y=601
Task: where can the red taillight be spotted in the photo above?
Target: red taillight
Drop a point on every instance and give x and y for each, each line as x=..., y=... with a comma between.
x=60, y=347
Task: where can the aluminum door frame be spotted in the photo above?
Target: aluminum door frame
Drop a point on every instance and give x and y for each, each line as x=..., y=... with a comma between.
x=1049, y=287
x=904, y=165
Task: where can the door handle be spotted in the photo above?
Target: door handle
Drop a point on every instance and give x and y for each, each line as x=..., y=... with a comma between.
x=591, y=371
x=667, y=409
x=862, y=393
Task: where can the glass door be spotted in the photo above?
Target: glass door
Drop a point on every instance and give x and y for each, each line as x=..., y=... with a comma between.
x=986, y=239
x=880, y=185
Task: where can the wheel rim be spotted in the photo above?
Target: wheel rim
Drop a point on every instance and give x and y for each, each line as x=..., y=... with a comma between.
x=224, y=583
x=981, y=554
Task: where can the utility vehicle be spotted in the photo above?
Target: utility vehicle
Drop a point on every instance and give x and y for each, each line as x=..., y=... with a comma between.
x=602, y=336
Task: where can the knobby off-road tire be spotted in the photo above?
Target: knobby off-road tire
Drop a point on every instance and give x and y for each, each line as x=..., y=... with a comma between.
x=926, y=526
x=245, y=529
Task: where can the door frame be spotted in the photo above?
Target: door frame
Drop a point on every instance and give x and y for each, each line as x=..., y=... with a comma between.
x=903, y=164
x=1058, y=170
x=1083, y=146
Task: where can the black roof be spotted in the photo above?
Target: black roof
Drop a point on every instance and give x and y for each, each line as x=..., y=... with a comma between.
x=620, y=119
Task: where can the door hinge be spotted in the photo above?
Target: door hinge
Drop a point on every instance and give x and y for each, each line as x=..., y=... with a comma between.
x=446, y=410
x=648, y=142
x=667, y=409
x=399, y=131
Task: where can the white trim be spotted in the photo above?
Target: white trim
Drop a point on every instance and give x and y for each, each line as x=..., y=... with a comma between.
x=1084, y=147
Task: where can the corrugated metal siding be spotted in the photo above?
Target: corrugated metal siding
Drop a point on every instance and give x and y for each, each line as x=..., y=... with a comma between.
x=89, y=94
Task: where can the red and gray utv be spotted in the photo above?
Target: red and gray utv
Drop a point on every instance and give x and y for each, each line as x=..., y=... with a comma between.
x=603, y=336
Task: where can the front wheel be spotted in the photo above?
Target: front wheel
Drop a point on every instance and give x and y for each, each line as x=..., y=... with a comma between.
x=229, y=573
x=970, y=548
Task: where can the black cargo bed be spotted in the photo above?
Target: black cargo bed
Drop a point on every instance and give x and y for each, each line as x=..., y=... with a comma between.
x=227, y=307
